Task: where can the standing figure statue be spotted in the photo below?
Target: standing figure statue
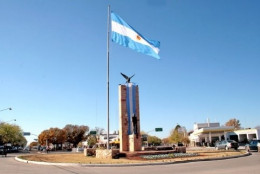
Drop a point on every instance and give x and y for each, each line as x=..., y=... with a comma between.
x=134, y=120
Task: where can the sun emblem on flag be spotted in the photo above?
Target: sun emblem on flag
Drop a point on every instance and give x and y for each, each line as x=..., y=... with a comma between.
x=138, y=37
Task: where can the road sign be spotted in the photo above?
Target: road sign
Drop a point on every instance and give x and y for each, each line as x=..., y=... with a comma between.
x=26, y=133
x=93, y=132
x=158, y=129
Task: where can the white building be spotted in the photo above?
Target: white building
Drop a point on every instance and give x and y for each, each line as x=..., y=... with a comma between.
x=102, y=139
x=244, y=135
x=208, y=133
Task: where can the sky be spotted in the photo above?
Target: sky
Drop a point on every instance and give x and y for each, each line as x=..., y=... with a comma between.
x=53, y=68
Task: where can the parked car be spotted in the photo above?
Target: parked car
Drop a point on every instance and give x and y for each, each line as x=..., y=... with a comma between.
x=3, y=151
x=226, y=144
x=79, y=149
x=254, y=145
x=43, y=148
x=27, y=149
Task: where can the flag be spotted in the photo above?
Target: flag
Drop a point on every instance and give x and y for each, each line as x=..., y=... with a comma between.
x=127, y=36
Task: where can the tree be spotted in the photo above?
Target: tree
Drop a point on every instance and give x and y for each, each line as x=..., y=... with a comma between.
x=186, y=140
x=233, y=122
x=92, y=140
x=179, y=134
x=257, y=127
x=154, y=140
x=53, y=135
x=33, y=144
x=13, y=134
x=57, y=136
x=175, y=136
x=75, y=133
x=44, y=137
x=99, y=130
x=165, y=141
x=21, y=141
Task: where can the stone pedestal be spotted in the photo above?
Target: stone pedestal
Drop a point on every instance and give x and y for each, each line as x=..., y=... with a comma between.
x=106, y=154
x=134, y=143
x=89, y=152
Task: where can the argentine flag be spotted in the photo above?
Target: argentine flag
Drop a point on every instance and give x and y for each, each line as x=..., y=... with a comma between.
x=125, y=35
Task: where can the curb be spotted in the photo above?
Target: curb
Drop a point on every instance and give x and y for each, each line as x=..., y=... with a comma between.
x=45, y=163
x=130, y=164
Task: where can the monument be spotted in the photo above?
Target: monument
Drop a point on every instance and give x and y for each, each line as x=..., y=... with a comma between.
x=129, y=116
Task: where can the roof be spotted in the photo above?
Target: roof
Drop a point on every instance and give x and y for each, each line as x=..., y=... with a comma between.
x=214, y=129
x=245, y=131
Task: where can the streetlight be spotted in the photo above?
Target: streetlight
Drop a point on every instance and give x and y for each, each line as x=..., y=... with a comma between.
x=10, y=120
x=5, y=109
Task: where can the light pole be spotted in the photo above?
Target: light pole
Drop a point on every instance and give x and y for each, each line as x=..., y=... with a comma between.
x=5, y=109
x=10, y=120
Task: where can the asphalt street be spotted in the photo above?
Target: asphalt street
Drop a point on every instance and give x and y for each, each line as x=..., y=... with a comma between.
x=248, y=165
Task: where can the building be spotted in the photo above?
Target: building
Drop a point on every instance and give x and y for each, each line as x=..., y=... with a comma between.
x=102, y=138
x=206, y=134
x=244, y=135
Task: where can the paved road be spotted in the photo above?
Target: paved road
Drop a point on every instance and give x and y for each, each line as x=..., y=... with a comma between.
x=248, y=165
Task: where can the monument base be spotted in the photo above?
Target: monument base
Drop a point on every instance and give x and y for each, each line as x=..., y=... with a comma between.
x=134, y=143
x=129, y=118
x=107, y=153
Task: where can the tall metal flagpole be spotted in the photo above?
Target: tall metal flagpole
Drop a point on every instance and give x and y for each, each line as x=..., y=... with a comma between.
x=108, y=28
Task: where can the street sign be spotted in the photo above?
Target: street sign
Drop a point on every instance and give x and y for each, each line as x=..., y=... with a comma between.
x=93, y=132
x=26, y=133
x=158, y=129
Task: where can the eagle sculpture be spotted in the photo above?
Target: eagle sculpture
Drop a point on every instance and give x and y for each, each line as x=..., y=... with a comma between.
x=127, y=78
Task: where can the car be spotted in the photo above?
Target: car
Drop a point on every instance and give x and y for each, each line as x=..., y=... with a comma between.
x=226, y=144
x=43, y=148
x=3, y=151
x=14, y=149
x=254, y=145
x=27, y=148
x=79, y=149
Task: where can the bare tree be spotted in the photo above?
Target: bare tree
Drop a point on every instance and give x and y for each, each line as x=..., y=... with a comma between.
x=99, y=130
x=257, y=127
x=233, y=122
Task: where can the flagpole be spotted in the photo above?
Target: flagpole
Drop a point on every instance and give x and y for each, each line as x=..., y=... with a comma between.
x=108, y=22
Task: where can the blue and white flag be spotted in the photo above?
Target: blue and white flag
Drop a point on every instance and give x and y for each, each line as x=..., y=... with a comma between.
x=125, y=35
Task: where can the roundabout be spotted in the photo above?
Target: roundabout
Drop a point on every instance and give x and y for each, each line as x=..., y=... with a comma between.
x=232, y=165
x=76, y=159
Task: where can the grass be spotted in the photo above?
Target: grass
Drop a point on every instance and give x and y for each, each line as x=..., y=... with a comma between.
x=81, y=159
x=74, y=158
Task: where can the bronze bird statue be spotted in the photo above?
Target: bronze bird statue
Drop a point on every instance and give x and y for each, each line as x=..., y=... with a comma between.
x=127, y=78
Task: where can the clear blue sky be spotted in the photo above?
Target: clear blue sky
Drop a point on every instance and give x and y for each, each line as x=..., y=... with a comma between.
x=53, y=62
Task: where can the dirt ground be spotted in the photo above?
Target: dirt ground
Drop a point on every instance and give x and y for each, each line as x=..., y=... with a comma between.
x=81, y=159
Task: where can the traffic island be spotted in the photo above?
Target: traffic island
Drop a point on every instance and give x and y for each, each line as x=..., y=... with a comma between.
x=76, y=159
